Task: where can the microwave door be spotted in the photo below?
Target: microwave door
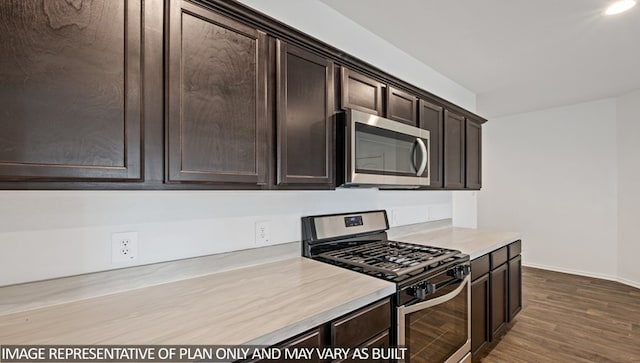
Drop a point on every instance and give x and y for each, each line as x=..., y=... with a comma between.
x=386, y=153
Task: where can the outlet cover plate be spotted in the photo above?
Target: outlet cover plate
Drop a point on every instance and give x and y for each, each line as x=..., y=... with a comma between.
x=263, y=233
x=124, y=247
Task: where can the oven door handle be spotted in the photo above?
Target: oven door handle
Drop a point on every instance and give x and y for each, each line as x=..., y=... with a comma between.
x=437, y=301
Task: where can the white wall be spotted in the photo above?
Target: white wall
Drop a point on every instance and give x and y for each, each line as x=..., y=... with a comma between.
x=551, y=175
x=465, y=209
x=629, y=188
x=46, y=234
x=54, y=233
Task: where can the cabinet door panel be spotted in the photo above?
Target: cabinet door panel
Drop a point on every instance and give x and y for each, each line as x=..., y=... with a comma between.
x=401, y=106
x=70, y=91
x=431, y=118
x=499, y=257
x=305, y=110
x=311, y=340
x=454, y=153
x=359, y=327
x=217, y=98
x=499, y=299
x=473, y=155
x=360, y=92
x=480, y=313
x=515, y=286
x=380, y=341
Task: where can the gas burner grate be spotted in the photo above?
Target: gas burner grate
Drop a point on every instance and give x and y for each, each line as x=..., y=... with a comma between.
x=390, y=257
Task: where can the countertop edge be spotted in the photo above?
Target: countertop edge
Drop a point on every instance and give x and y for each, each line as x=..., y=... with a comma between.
x=497, y=245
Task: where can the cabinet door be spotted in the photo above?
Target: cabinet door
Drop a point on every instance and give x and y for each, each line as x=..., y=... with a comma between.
x=402, y=106
x=473, y=154
x=310, y=340
x=515, y=286
x=379, y=342
x=499, y=299
x=360, y=92
x=454, y=156
x=359, y=327
x=480, y=313
x=70, y=92
x=217, y=126
x=305, y=112
x=431, y=118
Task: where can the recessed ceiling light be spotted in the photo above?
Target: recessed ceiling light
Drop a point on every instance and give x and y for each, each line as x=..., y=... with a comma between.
x=620, y=6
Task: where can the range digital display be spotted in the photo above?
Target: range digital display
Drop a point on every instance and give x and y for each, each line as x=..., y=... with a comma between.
x=352, y=221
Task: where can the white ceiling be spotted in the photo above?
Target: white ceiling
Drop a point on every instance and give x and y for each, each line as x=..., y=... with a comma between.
x=516, y=55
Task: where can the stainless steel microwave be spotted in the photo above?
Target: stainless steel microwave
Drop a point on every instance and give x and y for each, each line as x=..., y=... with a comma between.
x=383, y=153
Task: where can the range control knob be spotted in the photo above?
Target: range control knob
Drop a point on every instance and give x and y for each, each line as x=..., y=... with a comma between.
x=459, y=272
x=421, y=290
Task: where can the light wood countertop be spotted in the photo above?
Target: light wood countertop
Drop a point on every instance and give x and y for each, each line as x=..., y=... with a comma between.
x=261, y=304
x=473, y=242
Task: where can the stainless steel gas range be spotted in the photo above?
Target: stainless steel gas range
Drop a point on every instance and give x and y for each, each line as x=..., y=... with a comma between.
x=432, y=299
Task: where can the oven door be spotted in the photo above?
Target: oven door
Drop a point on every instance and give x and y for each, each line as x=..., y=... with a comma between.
x=385, y=152
x=438, y=329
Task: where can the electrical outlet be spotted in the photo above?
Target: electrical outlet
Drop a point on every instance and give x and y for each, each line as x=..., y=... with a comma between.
x=262, y=233
x=124, y=247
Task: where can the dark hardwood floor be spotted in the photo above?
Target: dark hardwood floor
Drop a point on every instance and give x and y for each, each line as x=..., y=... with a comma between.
x=569, y=318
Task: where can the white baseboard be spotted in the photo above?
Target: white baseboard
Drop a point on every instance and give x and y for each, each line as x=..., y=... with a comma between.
x=585, y=273
x=629, y=282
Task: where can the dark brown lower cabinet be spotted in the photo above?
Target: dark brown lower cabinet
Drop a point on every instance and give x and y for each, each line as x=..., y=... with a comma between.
x=480, y=303
x=499, y=298
x=312, y=339
x=496, y=295
x=515, y=286
x=380, y=341
x=360, y=326
x=366, y=327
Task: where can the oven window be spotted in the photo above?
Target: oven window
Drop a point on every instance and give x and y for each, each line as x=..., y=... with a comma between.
x=382, y=151
x=434, y=334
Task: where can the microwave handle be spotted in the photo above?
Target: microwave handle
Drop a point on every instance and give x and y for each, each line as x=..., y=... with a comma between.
x=425, y=156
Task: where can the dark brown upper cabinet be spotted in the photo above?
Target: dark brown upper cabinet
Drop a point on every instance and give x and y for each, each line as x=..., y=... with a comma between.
x=305, y=108
x=70, y=93
x=217, y=76
x=360, y=92
x=402, y=106
x=186, y=94
x=431, y=117
x=473, y=154
x=454, y=151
